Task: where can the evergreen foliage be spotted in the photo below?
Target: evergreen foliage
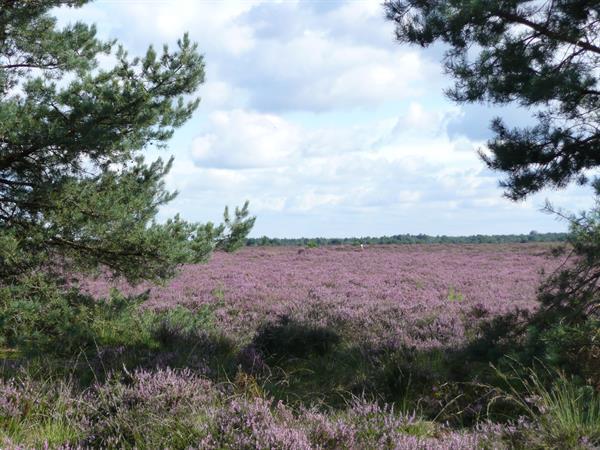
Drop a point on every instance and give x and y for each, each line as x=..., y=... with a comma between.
x=543, y=55
x=573, y=293
x=75, y=190
x=532, y=236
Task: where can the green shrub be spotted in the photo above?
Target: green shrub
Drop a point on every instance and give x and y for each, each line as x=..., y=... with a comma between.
x=312, y=244
x=182, y=324
x=37, y=315
x=563, y=413
x=157, y=409
x=574, y=348
x=288, y=338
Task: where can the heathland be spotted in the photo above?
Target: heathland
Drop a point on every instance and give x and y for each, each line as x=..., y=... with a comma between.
x=121, y=328
x=407, y=346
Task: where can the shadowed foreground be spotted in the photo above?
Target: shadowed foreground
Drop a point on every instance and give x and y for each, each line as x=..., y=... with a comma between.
x=390, y=347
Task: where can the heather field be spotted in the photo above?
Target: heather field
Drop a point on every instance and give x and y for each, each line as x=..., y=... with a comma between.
x=134, y=316
x=392, y=347
x=424, y=296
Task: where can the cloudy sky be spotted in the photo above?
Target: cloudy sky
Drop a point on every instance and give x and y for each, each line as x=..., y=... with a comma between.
x=312, y=112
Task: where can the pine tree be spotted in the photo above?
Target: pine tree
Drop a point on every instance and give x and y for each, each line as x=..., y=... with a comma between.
x=543, y=55
x=75, y=190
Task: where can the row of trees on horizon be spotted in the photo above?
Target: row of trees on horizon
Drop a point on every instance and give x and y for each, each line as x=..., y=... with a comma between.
x=532, y=236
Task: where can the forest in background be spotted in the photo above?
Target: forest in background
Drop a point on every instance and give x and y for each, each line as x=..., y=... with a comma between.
x=532, y=236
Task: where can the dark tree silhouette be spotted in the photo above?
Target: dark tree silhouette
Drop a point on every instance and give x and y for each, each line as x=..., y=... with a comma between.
x=74, y=186
x=539, y=54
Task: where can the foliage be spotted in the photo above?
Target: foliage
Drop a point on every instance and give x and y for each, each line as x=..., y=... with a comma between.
x=36, y=314
x=312, y=244
x=564, y=414
x=288, y=338
x=533, y=236
x=177, y=409
x=454, y=295
x=237, y=229
x=564, y=332
x=543, y=55
x=575, y=348
x=573, y=293
x=37, y=317
x=280, y=363
x=149, y=407
x=157, y=410
x=75, y=190
x=38, y=413
x=334, y=348
x=377, y=295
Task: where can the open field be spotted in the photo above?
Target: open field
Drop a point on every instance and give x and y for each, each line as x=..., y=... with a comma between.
x=417, y=295
x=280, y=347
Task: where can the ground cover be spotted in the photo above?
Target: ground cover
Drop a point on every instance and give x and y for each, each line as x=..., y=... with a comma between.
x=417, y=294
x=337, y=347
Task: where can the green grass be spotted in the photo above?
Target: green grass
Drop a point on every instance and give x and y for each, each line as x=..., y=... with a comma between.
x=566, y=412
x=70, y=343
x=454, y=295
x=37, y=432
x=329, y=379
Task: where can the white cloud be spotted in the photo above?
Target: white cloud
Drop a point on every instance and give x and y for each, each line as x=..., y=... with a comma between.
x=239, y=139
x=217, y=94
x=329, y=127
x=307, y=60
x=292, y=169
x=313, y=71
x=212, y=24
x=420, y=120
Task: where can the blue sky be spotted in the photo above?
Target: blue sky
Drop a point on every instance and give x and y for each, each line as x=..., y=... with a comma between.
x=312, y=112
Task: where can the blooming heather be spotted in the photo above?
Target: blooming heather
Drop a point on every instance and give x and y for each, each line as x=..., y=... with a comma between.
x=177, y=409
x=421, y=295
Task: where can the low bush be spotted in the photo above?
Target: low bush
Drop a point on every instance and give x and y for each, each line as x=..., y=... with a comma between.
x=286, y=337
x=111, y=379
x=564, y=413
x=157, y=409
x=35, y=413
x=39, y=316
x=177, y=409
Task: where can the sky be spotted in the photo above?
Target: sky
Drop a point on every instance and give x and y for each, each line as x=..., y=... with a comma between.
x=312, y=112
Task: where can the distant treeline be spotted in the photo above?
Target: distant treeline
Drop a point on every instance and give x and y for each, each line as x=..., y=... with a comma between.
x=533, y=236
